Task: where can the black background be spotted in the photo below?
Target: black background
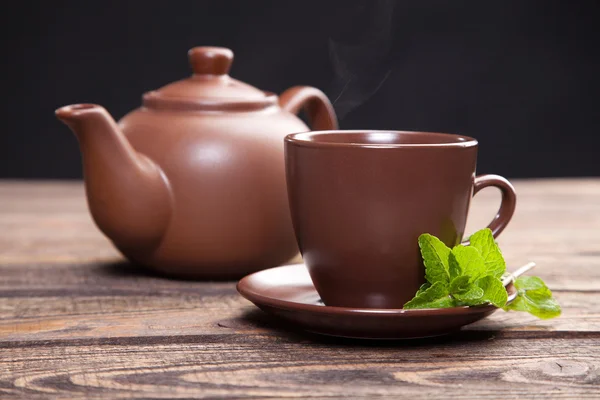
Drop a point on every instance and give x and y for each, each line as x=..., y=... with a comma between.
x=520, y=76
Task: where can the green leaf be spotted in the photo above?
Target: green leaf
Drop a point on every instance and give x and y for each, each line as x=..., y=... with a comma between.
x=467, y=261
x=454, y=267
x=460, y=284
x=436, y=296
x=484, y=242
x=470, y=275
x=435, y=257
x=494, y=291
x=444, y=302
x=423, y=288
x=532, y=283
x=534, y=297
x=465, y=292
x=472, y=297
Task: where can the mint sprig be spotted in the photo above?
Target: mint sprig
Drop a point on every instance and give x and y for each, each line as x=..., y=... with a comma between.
x=471, y=276
x=535, y=298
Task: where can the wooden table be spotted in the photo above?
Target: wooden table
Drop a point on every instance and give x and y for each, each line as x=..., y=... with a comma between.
x=78, y=322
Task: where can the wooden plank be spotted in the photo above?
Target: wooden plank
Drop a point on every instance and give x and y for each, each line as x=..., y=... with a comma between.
x=469, y=366
x=557, y=224
x=218, y=311
x=574, y=273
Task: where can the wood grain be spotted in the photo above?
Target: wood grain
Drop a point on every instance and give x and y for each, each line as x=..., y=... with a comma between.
x=76, y=321
x=471, y=366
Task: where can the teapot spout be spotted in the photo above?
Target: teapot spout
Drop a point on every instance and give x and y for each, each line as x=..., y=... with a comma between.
x=128, y=194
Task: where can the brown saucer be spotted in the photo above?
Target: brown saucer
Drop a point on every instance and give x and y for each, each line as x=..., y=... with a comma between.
x=288, y=293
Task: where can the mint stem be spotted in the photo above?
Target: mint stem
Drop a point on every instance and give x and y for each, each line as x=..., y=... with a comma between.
x=510, y=277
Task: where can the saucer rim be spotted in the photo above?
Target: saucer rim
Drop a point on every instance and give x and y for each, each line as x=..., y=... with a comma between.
x=325, y=309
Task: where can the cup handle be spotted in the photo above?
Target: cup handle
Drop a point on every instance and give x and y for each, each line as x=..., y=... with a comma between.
x=315, y=103
x=507, y=205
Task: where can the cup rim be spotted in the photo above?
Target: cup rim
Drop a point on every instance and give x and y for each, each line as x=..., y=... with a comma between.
x=306, y=139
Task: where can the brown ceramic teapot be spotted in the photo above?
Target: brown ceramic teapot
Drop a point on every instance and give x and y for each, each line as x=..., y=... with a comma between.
x=192, y=183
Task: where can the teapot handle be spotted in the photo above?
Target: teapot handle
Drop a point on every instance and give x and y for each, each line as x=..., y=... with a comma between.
x=315, y=103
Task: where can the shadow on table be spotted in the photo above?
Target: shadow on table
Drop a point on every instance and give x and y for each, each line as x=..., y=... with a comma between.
x=259, y=319
x=126, y=269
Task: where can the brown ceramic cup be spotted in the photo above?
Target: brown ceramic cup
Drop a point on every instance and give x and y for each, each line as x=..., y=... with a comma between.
x=360, y=199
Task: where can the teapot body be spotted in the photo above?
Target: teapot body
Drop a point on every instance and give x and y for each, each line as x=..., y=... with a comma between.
x=192, y=184
x=230, y=213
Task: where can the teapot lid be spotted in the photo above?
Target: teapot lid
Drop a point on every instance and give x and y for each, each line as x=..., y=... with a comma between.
x=210, y=87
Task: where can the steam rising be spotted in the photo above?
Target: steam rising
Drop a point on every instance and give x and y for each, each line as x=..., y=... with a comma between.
x=359, y=53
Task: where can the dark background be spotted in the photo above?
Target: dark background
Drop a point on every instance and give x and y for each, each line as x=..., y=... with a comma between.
x=520, y=76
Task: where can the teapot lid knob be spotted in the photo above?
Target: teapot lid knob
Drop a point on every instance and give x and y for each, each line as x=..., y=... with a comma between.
x=210, y=60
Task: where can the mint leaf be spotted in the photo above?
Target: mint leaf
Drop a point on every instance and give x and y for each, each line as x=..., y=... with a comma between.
x=471, y=297
x=436, y=296
x=494, y=291
x=435, y=257
x=532, y=283
x=460, y=284
x=470, y=276
x=444, y=302
x=423, y=288
x=454, y=267
x=465, y=260
x=534, y=297
x=465, y=292
x=484, y=242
